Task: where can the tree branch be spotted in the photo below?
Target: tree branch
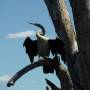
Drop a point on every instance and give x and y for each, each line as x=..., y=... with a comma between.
x=81, y=13
x=60, y=72
x=25, y=70
x=64, y=29
x=64, y=77
x=63, y=26
x=53, y=86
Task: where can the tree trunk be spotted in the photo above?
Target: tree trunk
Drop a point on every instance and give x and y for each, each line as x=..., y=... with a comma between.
x=81, y=13
x=78, y=63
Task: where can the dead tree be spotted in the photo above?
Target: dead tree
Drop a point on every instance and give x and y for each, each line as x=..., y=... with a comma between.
x=77, y=44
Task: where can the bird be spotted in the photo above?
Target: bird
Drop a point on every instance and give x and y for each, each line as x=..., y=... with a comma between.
x=56, y=46
x=38, y=47
x=43, y=45
x=42, y=41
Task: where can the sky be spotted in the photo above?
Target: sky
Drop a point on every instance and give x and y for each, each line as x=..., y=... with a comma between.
x=14, y=27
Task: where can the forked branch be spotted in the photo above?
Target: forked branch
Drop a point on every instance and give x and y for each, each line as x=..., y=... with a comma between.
x=60, y=72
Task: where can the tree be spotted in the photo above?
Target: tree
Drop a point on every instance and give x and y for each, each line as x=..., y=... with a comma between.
x=77, y=45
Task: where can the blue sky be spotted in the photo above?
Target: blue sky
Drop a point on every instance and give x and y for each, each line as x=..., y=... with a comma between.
x=14, y=15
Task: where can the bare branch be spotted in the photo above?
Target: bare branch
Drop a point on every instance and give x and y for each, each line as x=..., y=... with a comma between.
x=47, y=88
x=63, y=26
x=53, y=86
x=64, y=77
x=60, y=72
x=64, y=29
x=25, y=70
x=81, y=13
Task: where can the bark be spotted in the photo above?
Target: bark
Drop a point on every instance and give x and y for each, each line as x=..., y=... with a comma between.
x=81, y=13
x=64, y=77
x=62, y=23
x=25, y=70
x=64, y=29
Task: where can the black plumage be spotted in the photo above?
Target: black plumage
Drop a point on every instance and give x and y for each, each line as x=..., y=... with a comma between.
x=31, y=48
x=57, y=47
x=48, y=68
